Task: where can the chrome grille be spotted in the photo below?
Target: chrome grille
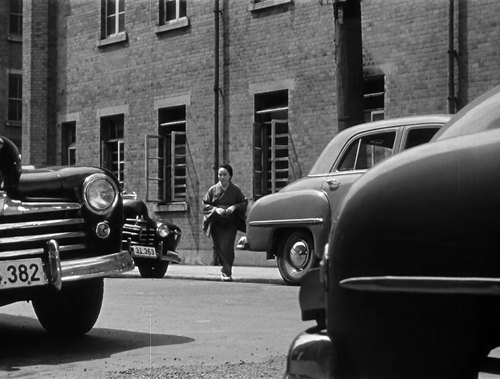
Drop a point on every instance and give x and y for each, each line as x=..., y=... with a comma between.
x=139, y=232
x=25, y=227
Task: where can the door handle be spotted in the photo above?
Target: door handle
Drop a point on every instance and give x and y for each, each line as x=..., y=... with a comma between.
x=333, y=184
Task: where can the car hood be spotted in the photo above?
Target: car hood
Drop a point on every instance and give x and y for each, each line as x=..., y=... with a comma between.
x=54, y=183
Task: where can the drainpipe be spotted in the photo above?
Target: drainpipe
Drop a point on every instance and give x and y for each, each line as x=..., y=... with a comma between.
x=216, y=90
x=452, y=101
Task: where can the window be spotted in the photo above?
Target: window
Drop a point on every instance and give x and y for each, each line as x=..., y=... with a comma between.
x=271, y=144
x=15, y=97
x=366, y=151
x=112, y=146
x=172, y=10
x=68, y=143
x=374, y=97
x=16, y=17
x=418, y=136
x=166, y=157
x=114, y=17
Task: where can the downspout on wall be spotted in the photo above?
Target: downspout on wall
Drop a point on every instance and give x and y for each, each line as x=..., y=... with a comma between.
x=216, y=89
x=452, y=55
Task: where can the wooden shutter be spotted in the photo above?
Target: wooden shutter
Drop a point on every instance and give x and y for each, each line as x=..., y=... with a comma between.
x=258, y=162
x=155, y=169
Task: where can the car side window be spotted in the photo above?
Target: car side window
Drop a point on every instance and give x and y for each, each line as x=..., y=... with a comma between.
x=418, y=136
x=366, y=151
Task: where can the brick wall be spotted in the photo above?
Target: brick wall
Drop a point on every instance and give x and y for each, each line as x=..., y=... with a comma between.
x=10, y=59
x=290, y=47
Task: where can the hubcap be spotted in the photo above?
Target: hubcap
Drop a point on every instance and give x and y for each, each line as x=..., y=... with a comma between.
x=299, y=254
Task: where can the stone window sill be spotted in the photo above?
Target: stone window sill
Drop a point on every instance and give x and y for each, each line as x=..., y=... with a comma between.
x=112, y=40
x=267, y=4
x=171, y=207
x=173, y=25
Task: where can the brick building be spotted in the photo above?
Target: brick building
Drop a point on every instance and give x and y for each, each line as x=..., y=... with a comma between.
x=129, y=85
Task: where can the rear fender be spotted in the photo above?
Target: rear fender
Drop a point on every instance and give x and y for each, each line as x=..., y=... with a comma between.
x=274, y=215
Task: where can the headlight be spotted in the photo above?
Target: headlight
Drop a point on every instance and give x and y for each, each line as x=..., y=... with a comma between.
x=100, y=193
x=162, y=230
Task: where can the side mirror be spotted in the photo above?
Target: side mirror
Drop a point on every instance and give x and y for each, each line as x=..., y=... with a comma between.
x=10, y=164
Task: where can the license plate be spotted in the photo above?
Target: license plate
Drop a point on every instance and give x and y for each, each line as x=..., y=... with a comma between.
x=144, y=251
x=22, y=273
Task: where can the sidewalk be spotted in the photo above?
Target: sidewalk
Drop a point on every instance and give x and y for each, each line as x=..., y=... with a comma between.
x=243, y=274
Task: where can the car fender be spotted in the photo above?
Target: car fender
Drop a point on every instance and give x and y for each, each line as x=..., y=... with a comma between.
x=276, y=213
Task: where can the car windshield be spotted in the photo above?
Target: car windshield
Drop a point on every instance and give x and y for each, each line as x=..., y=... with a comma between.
x=480, y=115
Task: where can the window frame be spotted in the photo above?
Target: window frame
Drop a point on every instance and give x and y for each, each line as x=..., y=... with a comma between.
x=374, y=113
x=112, y=129
x=166, y=162
x=68, y=143
x=271, y=113
x=357, y=139
x=15, y=99
x=14, y=14
x=116, y=14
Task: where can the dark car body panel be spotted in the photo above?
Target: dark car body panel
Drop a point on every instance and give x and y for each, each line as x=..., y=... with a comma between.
x=412, y=267
x=44, y=216
x=140, y=229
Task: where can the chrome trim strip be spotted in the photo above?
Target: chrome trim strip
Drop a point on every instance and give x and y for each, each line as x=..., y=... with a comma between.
x=290, y=221
x=96, y=267
x=16, y=207
x=39, y=251
x=41, y=237
x=39, y=224
x=424, y=284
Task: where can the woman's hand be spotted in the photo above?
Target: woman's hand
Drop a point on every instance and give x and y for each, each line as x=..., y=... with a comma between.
x=220, y=211
x=230, y=210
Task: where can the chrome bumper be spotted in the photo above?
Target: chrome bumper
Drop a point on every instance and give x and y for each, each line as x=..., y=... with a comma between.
x=86, y=268
x=310, y=356
x=170, y=256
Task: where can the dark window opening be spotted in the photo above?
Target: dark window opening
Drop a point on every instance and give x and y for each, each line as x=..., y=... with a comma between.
x=271, y=163
x=167, y=156
x=68, y=143
x=112, y=146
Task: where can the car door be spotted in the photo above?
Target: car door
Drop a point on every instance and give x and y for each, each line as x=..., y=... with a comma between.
x=360, y=153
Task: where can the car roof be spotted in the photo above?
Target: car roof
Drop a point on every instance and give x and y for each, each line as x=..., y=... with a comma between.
x=481, y=114
x=341, y=138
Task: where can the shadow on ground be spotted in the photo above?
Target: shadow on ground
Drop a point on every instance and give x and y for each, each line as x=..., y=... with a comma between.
x=25, y=343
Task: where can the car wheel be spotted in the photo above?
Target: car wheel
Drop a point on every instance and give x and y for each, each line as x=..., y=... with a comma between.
x=73, y=311
x=154, y=270
x=295, y=257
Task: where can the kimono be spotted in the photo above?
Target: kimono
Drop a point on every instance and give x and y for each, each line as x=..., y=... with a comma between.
x=223, y=229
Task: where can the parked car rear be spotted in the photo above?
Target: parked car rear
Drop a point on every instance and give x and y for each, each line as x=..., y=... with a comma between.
x=293, y=224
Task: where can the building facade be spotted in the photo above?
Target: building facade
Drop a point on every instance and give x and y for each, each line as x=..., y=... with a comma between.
x=138, y=86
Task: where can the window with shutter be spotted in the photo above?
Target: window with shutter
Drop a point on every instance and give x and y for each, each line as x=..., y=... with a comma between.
x=166, y=155
x=271, y=143
x=112, y=146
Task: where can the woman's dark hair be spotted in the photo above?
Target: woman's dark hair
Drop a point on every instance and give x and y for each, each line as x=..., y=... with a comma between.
x=228, y=168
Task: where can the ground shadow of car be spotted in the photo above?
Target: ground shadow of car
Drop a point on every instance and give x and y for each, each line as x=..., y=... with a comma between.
x=28, y=345
x=411, y=274
x=153, y=244
x=293, y=224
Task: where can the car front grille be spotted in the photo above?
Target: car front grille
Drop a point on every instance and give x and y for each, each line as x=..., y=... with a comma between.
x=25, y=228
x=139, y=233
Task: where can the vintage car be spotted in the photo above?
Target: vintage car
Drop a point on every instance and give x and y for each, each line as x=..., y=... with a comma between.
x=152, y=243
x=60, y=234
x=290, y=224
x=411, y=271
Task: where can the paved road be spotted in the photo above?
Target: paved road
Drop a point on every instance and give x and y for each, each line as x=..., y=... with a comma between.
x=150, y=324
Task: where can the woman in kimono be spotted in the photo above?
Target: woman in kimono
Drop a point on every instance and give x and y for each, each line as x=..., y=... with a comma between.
x=224, y=213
